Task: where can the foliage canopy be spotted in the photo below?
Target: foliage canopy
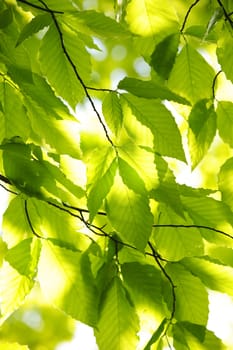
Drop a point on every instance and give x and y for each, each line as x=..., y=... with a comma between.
x=97, y=217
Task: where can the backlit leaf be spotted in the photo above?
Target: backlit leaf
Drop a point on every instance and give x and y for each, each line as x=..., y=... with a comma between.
x=225, y=121
x=129, y=214
x=202, y=129
x=159, y=120
x=68, y=282
x=191, y=295
x=118, y=324
x=148, y=17
x=191, y=76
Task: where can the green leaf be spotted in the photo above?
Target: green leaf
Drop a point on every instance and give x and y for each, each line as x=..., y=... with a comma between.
x=68, y=282
x=59, y=72
x=142, y=161
x=112, y=112
x=164, y=54
x=15, y=225
x=167, y=191
x=118, y=324
x=157, y=334
x=150, y=90
x=147, y=18
x=159, y=120
x=191, y=76
x=13, y=346
x=24, y=257
x=13, y=291
x=100, y=174
x=187, y=337
x=225, y=182
x=14, y=121
x=129, y=214
x=145, y=287
x=191, y=295
x=211, y=213
x=214, y=276
x=222, y=254
x=202, y=129
x=224, y=53
x=130, y=177
x=5, y=18
x=96, y=23
x=225, y=121
x=175, y=243
x=34, y=26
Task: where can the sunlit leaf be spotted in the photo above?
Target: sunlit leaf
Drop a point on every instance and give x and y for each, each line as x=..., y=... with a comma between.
x=150, y=90
x=145, y=286
x=118, y=324
x=191, y=295
x=191, y=76
x=164, y=54
x=112, y=112
x=148, y=17
x=14, y=289
x=159, y=120
x=100, y=174
x=226, y=182
x=175, y=243
x=34, y=26
x=13, y=346
x=225, y=121
x=192, y=336
x=213, y=275
x=129, y=213
x=202, y=129
x=68, y=282
x=14, y=121
x=59, y=72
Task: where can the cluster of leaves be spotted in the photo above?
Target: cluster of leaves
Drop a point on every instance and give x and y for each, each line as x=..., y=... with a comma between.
x=98, y=218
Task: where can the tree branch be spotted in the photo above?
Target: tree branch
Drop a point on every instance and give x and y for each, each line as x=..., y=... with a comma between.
x=214, y=83
x=227, y=16
x=39, y=7
x=195, y=226
x=77, y=73
x=168, y=277
x=29, y=220
x=186, y=16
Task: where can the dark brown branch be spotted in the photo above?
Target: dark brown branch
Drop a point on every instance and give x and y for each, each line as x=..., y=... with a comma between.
x=100, y=89
x=214, y=83
x=8, y=190
x=195, y=226
x=81, y=209
x=77, y=73
x=168, y=277
x=29, y=220
x=5, y=179
x=187, y=14
x=226, y=15
x=39, y=7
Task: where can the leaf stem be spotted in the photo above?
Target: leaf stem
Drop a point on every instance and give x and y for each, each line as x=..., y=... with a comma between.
x=39, y=7
x=29, y=220
x=186, y=16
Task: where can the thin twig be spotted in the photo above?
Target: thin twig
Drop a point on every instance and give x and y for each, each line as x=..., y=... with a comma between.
x=8, y=190
x=5, y=179
x=77, y=73
x=29, y=220
x=39, y=7
x=214, y=83
x=167, y=276
x=187, y=14
x=227, y=16
x=195, y=226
